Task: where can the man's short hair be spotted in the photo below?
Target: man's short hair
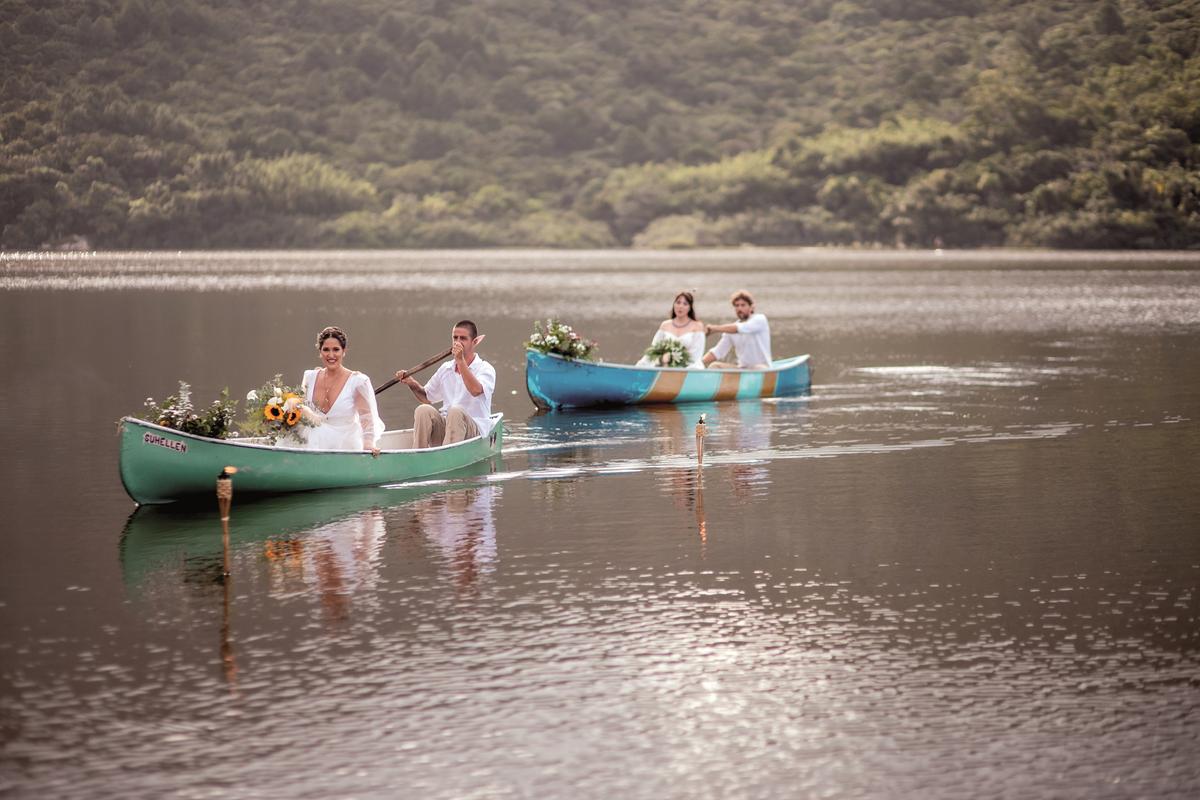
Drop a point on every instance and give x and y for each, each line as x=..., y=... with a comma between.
x=466, y=323
x=742, y=294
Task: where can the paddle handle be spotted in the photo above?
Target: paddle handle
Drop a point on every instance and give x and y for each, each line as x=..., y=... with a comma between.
x=414, y=370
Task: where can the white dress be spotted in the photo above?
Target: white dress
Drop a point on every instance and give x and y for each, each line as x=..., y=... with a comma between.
x=353, y=412
x=693, y=342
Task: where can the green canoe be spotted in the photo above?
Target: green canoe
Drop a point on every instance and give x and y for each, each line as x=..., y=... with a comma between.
x=163, y=465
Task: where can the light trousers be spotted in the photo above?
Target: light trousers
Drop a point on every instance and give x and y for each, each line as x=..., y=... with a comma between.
x=430, y=429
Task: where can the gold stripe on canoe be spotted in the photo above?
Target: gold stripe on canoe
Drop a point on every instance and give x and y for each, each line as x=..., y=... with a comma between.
x=666, y=387
x=768, y=384
x=729, y=386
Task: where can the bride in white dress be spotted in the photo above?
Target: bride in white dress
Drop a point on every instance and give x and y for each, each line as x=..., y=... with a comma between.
x=684, y=327
x=344, y=401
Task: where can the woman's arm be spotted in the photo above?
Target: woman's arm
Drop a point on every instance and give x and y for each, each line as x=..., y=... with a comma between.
x=368, y=412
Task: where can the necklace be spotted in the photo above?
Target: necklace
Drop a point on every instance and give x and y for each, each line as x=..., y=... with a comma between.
x=677, y=325
x=327, y=404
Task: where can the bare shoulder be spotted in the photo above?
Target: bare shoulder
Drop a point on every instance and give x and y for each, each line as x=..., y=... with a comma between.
x=665, y=326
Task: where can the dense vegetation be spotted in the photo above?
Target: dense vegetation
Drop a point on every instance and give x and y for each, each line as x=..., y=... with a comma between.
x=599, y=123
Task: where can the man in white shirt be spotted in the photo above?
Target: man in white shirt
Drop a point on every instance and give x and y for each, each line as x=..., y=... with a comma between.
x=750, y=336
x=463, y=385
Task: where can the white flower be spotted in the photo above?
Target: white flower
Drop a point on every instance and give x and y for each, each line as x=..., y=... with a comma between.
x=276, y=400
x=251, y=396
x=291, y=403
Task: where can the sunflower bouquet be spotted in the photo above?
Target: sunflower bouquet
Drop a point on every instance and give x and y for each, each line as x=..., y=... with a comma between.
x=677, y=355
x=560, y=339
x=277, y=412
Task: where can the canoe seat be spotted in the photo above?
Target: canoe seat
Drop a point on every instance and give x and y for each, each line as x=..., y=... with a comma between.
x=396, y=440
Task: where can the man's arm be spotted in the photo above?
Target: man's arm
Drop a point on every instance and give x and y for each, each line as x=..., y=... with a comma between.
x=730, y=327
x=756, y=324
x=719, y=350
x=414, y=385
x=464, y=370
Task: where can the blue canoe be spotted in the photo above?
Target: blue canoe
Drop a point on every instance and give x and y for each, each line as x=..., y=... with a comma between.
x=557, y=382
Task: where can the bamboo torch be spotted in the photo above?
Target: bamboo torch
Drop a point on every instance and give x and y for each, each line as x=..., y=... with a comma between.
x=701, y=432
x=224, y=501
x=225, y=491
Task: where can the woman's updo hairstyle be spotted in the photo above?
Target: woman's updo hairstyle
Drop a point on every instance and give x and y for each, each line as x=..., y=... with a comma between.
x=333, y=332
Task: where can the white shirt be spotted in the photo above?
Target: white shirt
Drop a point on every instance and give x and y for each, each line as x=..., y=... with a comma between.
x=447, y=386
x=752, y=340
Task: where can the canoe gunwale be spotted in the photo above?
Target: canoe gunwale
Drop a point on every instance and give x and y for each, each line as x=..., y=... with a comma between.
x=778, y=365
x=496, y=419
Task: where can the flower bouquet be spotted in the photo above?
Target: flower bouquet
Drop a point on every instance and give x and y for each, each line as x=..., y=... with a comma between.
x=178, y=412
x=559, y=339
x=677, y=355
x=277, y=413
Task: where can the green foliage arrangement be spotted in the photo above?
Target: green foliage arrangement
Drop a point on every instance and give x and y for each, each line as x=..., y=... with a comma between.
x=677, y=355
x=574, y=124
x=560, y=339
x=178, y=412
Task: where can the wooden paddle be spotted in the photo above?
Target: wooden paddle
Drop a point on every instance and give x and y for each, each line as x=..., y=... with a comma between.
x=442, y=356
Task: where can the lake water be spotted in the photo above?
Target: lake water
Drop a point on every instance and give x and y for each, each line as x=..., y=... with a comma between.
x=965, y=566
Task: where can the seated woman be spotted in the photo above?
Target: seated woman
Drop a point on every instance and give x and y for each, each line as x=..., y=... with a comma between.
x=343, y=400
x=683, y=327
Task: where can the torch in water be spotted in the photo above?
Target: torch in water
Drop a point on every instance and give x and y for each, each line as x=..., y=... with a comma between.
x=701, y=431
x=224, y=501
x=225, y=491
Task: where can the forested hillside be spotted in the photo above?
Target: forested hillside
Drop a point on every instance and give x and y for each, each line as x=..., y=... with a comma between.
x=599, y=123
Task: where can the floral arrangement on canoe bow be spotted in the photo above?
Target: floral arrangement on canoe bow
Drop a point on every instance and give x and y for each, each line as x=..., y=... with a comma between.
x=560, y=339
x=178, y=412
x=274, y=412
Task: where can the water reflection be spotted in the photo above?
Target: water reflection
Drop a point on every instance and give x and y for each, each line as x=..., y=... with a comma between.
x=749, y=435
x=460, y=526
x=323, y=548
x=333, y=562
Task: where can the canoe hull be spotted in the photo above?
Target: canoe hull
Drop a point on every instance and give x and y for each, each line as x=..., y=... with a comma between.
x=162, y=465
x=556, y=382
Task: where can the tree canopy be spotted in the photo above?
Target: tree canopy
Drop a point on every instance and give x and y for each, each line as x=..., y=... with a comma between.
x=599, y=123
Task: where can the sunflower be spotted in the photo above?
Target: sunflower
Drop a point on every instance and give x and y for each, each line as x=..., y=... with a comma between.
x=292, y=417
x=272, y=412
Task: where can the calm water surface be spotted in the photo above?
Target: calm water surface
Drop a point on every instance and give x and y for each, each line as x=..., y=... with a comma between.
x=966, y=565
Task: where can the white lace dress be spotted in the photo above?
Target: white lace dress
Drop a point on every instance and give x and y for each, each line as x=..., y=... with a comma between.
x=353, y=412
x=693, y=342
